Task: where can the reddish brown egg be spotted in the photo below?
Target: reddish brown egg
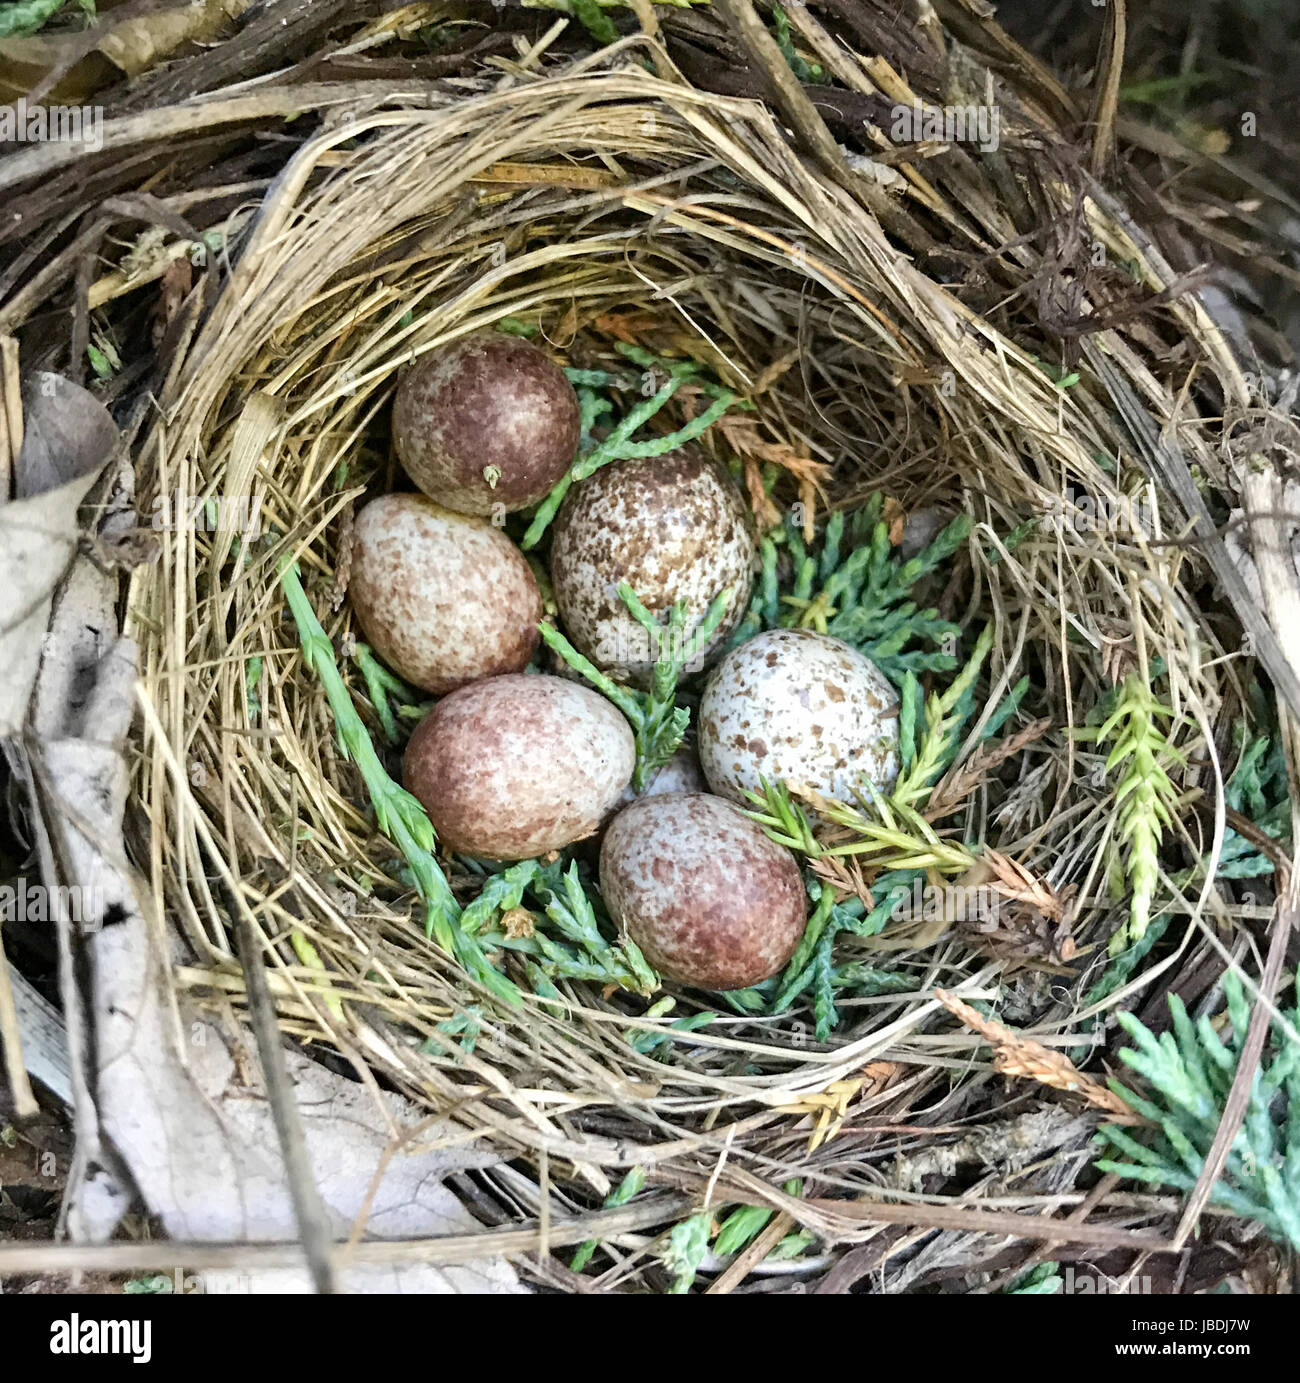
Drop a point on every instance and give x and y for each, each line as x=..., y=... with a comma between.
x=709, y=899
x=444, y=598
x=512, y=767
x=487, y=424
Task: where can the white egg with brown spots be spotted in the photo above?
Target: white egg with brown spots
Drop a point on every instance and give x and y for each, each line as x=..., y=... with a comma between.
x=673, y=527
x=797, y=706
x=444, y=598
x=513, y=767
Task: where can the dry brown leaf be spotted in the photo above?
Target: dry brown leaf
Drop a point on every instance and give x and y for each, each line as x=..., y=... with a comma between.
x=845, y=876
x=632, y=325
x=177, y=280
x=952, y=790
x=1014, y=1055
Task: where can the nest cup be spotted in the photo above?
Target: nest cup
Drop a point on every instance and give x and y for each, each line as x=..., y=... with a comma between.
x=556, y=201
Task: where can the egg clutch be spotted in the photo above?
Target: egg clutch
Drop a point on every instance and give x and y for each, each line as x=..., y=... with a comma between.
x=513, y=764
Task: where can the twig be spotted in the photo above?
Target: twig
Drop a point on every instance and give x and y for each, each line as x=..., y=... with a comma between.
x=445, y=1248
x=1000, y=1222
x=308, y=1208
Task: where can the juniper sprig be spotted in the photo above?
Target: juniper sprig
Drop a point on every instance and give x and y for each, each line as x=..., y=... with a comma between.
x=1144, y=796
x=889, y=833
x=581, y=950
x=946, y=714
x=380, y=686
x=1190, y=1070
x=684, y=1251
x=630, y=1186
x=1259, y=790
x=658, y=722
x=621, y=443
x=858, y=587
x=398, y=814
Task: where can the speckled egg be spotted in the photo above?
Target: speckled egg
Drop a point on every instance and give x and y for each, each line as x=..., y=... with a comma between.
x=444, y=598
x=682, y=773
x=796, y=705
x=709, y=899
x=511, y=767
x=487, y=424
x=674, y=527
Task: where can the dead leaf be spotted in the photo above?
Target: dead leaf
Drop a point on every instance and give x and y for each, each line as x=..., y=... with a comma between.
x=67, y=438
x=93, y=59
x=177, y=280
x=163, y=1092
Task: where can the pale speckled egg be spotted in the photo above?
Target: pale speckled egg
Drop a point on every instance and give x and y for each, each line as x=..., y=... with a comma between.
x=674, y=527
x=444, y=598
x=486, y=424
x=682, y=773
x=709, y=899
x=796, y=705
x=512, y=767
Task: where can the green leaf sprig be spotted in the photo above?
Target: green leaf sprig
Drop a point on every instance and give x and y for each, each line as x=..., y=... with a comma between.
x=658, y=723
x=398, y=814
x=620, y=443
x=1190, y=1070
x=1144, y=796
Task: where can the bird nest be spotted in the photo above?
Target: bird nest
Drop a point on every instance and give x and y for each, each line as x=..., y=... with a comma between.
x=892, y=348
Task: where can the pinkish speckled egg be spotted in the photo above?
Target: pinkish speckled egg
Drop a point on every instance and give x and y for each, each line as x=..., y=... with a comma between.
x=800, y=706
x=674, y=527
x=444, y=598
x=486, y=424
x=709, y=899
x=512, y=767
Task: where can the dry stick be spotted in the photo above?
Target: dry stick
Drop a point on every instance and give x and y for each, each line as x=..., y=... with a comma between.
x=751, y=1256
x=788, y=95
x=309, y=1209
x=1106, y=101
x=171, y=121
x=1000, y=1222
x=442, y=1249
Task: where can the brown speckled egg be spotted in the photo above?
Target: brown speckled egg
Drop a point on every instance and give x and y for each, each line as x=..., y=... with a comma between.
x=512, y=767
x=709, y=899
x=444, y=598
x=674, y=527
x=796, y=705
x=485, y=421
